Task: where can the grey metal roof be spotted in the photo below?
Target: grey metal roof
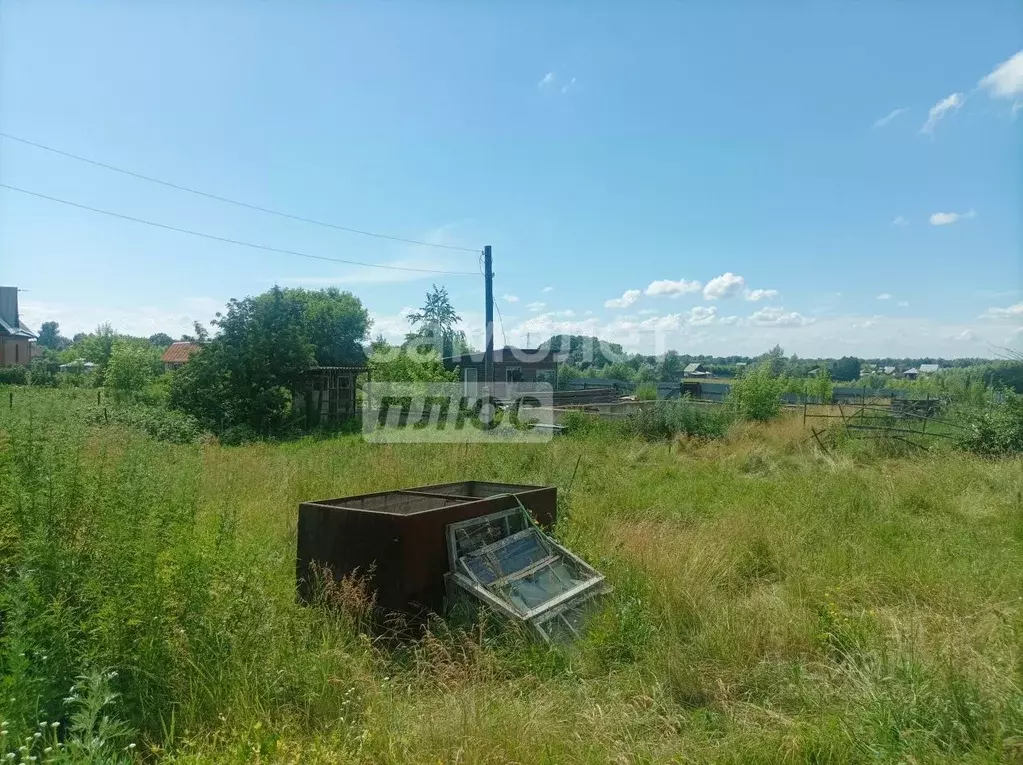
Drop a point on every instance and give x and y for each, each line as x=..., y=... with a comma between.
x=694, y=367
x=930, y=368
x=16, y=331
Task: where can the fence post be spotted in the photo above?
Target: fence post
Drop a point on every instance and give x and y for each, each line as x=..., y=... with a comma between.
x=804, y=411
x=11, y=399
x=98, y=392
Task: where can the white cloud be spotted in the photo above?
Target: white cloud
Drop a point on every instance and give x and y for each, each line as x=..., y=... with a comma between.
x=510, y=298
x=940, y=109
x=779, y=317
x=833, y=335
x=890, y=116
x=967, y=335
x=546, y=80
x=726, y=285
x=140, y=320
x=1012, y=312
x=1006, y=80
x=393, y=327
x=756, y=295
x=628, y=298
x=947, y=218
x=673, y=288
x=899, y=220
x=884, y=296
x=903, y=304
x=536, y=307
x=700, y=316
x=547, y=289
x=568, y=85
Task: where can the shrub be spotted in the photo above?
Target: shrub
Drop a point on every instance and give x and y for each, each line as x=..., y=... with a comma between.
x=646, y=391
x=996, y=430
x=129, y=370
x=668, y=419
x=757, y=395
x=157, y=422
x=13, y=376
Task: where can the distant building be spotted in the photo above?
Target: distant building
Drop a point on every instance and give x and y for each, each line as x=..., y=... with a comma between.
x=930, y=369
x=695, y=370
x=177, y=354
x=889, y=370
x=911, y=374
x=16, y=340
x=511, y=365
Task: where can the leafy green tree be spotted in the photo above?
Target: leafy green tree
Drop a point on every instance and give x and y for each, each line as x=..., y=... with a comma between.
x=671, y=368
x=757, y=394
x=97, y=346
x=846, y=368
x=619, y=371
x=646, y=373
x=336, y=323
x=405, y=366
x=50, y=337
x=434, y=326
x=246, y=374
x=585, y=352
x=775, y=359
x=129, y=369
x=820, y=386
x=160, y=340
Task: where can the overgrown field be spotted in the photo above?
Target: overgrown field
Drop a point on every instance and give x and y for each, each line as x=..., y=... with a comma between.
x=771, y=604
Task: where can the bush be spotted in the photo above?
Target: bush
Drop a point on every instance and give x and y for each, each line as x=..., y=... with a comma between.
x=129, y=370
x=757, y=395
x=13, y=376
x=646, y=391
x=157, y=422
x=997, y=430
x=668, y=419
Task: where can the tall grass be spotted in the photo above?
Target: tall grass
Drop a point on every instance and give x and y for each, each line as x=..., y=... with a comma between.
x=771, y=604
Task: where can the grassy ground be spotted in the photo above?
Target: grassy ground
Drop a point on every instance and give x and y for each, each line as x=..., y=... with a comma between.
x=771, y=604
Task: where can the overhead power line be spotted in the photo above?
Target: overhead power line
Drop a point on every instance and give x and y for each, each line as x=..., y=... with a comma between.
x=236, y=202
x=238, y=242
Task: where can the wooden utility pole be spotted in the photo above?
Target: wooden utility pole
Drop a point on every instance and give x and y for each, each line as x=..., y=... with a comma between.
x=488, y=276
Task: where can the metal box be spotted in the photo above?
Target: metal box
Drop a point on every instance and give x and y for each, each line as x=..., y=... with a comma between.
x=399, y=536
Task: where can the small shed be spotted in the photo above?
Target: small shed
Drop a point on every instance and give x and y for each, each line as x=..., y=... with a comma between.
x=911, y=374
x=695, y=370
x=326, y=395
x=178, y=354
x=930, y=369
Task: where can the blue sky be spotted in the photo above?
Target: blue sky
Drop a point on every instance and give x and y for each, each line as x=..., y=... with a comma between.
x=798, y=162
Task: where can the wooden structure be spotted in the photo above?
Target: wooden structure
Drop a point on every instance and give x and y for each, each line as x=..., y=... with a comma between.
x=511, y=365
x=16, y=340
x=397, y=538
x=178, y=354
x=327, y=395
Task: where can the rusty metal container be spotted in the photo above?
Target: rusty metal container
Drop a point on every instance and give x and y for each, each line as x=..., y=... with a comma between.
x=400, y=535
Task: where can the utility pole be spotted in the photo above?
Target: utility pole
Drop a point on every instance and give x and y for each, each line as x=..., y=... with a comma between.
x=488, y=363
